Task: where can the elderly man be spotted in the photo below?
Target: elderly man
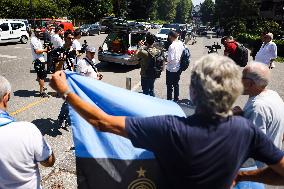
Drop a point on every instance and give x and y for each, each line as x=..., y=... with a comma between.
x=86, y=66
x=204, y=150
x=267, y=52
x=264, y=108
x=22, y=146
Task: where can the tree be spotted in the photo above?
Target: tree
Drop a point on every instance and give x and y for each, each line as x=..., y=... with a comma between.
x=142, y=9
x=207, y=10
x=167, y=9
x=183, y=11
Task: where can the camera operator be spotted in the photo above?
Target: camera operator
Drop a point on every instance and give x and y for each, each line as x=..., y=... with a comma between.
x=66, y=53
x=230, y=46
x=39, y=61
x=86, y=66
x=56, y=39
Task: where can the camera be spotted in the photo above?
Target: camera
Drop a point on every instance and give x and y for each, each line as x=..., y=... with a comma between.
x=84, y=47
x=214, y=48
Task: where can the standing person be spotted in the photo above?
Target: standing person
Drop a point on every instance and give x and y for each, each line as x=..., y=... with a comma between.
x=264, y=108
x=257, y=45
x=203, y=151
x=56, y=38
x=147, y=72
x=267, y=52
x=77, y=46
x=39, y=61
x=86, y=66
x=173, y=66
x=22, y=148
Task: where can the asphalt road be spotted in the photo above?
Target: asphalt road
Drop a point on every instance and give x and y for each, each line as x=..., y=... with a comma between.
x=25, y=103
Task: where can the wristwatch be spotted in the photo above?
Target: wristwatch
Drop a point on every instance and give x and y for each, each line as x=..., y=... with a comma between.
x=65, y=94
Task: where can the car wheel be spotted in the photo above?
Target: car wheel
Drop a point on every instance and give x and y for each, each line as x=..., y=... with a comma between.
x=24, y=39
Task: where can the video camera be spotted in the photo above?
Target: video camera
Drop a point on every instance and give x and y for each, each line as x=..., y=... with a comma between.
x=48, y=45
x=61, y=54
x=84, y=47
x=214, y=48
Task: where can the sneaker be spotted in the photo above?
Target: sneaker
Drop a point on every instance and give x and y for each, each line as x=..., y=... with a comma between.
x=44, y=95
x=44, y=89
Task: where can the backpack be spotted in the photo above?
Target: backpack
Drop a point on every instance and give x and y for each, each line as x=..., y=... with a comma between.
x=157, y=64
x=185, y=59
x=241, y=55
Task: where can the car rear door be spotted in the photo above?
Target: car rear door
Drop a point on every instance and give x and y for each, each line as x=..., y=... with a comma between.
x=5, y=32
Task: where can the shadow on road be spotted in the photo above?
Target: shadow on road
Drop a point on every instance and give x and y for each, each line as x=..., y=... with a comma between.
x=115, y=68
x=26, y=93
x=9, y=43
x=48, y=126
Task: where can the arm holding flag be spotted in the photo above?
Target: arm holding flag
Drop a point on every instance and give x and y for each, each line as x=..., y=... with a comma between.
x=96, y=117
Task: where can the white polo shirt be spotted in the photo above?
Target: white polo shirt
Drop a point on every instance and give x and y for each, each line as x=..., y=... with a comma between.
x=36, y=45
x=85, y=69
x=76, y=45
x=57, y=41
x=266, y=53
x=174, y=55
x=22, y=146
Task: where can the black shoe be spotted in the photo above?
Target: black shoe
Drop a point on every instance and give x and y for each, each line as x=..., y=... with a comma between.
x=176, y=100
x=44, y=95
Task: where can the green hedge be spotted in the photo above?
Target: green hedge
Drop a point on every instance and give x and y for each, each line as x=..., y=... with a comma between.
x=252, y=40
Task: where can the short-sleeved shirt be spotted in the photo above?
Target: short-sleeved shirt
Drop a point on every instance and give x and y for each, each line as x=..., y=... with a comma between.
x=174, y=56
x=198, y=152
x=36, y=45
x=76, y=45
x=266, y=53
x=85, y=69
x=22, y=146
x=57, y=41
x=266, y=111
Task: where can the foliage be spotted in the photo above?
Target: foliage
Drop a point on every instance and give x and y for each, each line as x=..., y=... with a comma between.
x=183, y=11
x=235, y=27
x=167, y=9
x=142, y=9
x=207, y=11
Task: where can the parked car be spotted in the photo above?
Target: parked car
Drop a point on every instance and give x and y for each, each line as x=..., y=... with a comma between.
x=202, y=30
x=162, y=35
x=120, y=46
x=13, y=31
x=90, y=29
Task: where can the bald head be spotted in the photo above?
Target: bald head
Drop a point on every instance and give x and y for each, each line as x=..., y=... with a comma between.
x=258, y=72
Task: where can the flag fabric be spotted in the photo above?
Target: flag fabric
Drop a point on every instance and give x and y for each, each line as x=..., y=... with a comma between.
x=105, y=160
x=108, y=161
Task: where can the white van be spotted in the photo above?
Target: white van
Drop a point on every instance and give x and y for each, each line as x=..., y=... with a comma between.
x=13, y=31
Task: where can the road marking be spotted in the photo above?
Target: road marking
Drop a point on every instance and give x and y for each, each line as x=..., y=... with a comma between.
x=18, y=47
x=7, y=56
x=136, y=87
x=29, y=106
x=28, y=48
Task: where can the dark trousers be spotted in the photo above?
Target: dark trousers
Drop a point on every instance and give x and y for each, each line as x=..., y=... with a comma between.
x=148, y=86
x=172, y=80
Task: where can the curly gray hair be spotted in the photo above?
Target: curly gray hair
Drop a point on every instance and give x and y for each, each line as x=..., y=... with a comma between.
x=5, y=87
x=216, y=80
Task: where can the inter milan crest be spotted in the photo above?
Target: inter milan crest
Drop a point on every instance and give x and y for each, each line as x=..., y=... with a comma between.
x=142, y=182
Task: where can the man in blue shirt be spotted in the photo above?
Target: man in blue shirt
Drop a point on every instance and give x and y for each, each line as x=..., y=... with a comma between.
x=203, y=151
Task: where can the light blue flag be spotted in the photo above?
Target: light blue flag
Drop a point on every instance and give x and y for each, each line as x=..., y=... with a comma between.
x=113, y=156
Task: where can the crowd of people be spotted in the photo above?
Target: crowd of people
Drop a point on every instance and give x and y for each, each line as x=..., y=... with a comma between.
x=205, y=150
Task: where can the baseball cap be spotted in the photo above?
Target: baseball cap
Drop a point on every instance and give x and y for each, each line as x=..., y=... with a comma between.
x=91, y=49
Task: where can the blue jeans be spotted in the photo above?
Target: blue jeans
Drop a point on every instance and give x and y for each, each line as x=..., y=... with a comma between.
x=148, y=86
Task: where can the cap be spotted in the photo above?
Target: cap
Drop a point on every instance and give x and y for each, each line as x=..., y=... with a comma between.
x=91, y=49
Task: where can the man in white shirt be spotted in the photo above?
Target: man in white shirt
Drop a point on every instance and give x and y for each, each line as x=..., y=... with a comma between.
x=39, y=61
x=22, y=147
x=173, y=66
x=77, y=36
x=264, y=108
x=56, y=39
x=267, y=52
x=86, y=66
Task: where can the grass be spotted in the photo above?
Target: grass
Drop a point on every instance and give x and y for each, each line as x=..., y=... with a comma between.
x=280, y=59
